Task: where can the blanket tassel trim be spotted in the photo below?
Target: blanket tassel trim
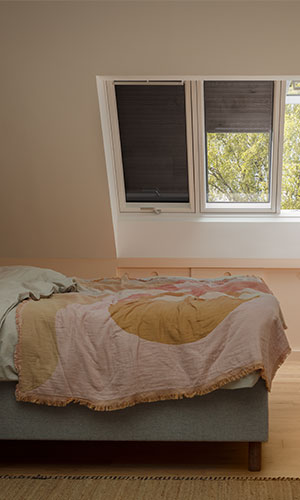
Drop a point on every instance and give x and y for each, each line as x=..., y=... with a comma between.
x=152, y=396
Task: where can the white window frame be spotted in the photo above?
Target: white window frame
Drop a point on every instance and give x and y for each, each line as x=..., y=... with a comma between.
x=151, y=207
x=273, y=206
x=195, y=131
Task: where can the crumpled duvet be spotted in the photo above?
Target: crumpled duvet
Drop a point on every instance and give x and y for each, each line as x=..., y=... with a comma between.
x=18, y=283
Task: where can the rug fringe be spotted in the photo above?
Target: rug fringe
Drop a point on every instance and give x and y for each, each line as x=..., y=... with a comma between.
x=152, y=478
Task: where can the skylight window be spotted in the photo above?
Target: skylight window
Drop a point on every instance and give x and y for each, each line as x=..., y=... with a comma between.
x=205, y=146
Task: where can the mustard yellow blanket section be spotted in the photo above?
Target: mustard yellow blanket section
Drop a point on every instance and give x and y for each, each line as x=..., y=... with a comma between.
x=39, y=351
x=120, y=342
x=176, y=321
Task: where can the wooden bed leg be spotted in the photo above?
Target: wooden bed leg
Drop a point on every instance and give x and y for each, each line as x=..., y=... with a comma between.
x=254, y=456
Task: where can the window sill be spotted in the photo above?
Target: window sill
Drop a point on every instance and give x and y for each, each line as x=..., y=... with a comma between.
x=284, y=216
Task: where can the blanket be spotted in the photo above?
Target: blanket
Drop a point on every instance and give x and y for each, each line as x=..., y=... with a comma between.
x=133, y=341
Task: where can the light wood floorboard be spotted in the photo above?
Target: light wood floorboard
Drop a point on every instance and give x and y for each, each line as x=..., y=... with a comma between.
x=280, y=455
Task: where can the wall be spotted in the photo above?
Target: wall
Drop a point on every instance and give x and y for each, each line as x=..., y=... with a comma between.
x=217, y=238
x=81, y=268
x=54, y=195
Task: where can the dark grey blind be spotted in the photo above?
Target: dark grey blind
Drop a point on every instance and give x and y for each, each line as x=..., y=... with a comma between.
x=152, y=123
x=238, y=106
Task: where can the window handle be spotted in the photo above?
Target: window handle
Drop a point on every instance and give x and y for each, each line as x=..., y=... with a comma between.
x=155, y=210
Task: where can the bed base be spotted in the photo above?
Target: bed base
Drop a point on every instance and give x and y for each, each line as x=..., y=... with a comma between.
x=239, y=415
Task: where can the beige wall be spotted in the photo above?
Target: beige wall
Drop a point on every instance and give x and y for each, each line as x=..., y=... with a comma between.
x=54, y=195
x=80, y=268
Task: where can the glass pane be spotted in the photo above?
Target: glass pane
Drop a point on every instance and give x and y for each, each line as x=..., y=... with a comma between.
x=152, y=125
x=290, y=192
x=238, y=167
x=293, y=88
x=238, y=118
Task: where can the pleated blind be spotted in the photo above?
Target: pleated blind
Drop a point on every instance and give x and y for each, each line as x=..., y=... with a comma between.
x=238, y=106
x=152, y=124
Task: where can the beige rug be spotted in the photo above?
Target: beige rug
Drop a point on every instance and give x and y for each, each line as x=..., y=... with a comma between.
x=40, y=487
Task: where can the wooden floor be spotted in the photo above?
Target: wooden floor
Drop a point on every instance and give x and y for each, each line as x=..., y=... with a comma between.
x=280, y=456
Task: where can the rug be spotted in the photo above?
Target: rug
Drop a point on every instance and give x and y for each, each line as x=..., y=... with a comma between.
x=39, y=487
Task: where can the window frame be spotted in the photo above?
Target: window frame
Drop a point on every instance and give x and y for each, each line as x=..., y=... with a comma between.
x=150, y=207
x=196, y=154
x=276, y=156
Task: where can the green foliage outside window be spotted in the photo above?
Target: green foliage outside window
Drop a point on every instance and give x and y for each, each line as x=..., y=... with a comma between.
x=290, y=191
x=238, y=165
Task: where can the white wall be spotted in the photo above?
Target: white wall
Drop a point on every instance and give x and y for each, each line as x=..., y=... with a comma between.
x=215, y=239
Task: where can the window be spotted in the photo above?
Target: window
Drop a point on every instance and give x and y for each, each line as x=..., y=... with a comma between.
x=204, y=146
x=290, y=192
x=153, y=147
x=238, y=126
x=153, y=142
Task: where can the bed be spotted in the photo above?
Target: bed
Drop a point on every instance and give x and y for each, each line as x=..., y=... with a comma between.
x=222, y=408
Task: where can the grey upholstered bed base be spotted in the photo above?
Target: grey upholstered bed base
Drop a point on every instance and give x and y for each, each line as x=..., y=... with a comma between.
x=222, y=415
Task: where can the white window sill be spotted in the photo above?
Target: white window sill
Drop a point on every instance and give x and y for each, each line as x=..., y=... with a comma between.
x=283, y=216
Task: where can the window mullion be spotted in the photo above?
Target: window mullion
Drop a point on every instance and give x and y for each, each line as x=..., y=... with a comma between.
x=117, y=154
x=280, y=131
x=275, y=194
x=201, y=145
x=189, y=142
x=196, y=152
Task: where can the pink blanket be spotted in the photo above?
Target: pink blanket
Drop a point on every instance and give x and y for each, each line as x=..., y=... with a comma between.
x=146, y=340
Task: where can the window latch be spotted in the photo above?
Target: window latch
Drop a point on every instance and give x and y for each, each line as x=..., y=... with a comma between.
x=154, y=210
